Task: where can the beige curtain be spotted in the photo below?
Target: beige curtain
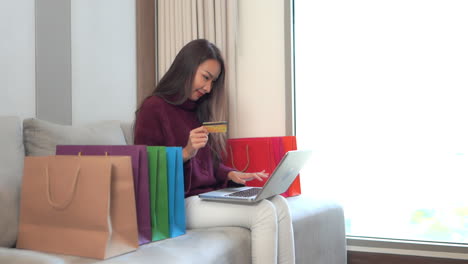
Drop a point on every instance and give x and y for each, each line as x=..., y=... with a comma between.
x=180, y=21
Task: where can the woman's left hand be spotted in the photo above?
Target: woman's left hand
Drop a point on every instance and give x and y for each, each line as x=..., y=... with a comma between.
x=242, y=177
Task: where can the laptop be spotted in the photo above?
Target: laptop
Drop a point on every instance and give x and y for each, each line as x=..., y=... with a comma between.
x=279, y=181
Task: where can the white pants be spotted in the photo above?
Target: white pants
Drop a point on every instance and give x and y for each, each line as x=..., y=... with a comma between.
x=269, y=222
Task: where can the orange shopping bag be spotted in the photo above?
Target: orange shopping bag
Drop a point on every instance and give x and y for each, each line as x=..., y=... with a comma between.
x=78, y=205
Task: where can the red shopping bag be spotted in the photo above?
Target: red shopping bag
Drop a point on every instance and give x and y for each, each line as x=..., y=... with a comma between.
x=289, y=143
x=258, y=154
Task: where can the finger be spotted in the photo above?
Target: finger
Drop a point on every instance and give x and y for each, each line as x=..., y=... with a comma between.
x=236, y=177
x=258, y=177
x=239, y=180
x=260, y=174
x=200, y=135
x=199, y=132
x=248, y=176
x=200, y=139
x=201, y=129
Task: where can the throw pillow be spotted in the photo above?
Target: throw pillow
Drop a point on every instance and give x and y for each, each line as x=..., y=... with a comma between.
x=41, y=137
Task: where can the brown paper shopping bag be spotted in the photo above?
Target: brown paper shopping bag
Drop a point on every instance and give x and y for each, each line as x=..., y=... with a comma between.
x=78, y=205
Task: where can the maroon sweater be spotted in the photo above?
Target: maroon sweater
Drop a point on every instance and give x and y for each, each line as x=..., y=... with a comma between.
x=159, y=123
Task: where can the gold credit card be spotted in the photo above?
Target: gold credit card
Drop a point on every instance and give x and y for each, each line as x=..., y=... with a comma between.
x=216, y=127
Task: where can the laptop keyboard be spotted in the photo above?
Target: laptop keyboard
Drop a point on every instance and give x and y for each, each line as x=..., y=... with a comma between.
x=246, y=193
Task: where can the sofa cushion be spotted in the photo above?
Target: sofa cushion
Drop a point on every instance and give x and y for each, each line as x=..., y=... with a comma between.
x=11, y=171
x=41, y=137
x=218, y=245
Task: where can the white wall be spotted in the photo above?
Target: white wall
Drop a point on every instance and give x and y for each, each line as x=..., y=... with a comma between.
x=17, y=64
x=103, y=60
x=261, y=69
x=103, y=63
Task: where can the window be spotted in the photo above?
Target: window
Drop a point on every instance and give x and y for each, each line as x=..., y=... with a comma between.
x=382, y=100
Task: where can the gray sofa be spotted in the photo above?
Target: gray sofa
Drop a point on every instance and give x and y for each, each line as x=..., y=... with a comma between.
x=318, y=224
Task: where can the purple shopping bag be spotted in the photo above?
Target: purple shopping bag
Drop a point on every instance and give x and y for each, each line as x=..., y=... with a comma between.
x=139, y=159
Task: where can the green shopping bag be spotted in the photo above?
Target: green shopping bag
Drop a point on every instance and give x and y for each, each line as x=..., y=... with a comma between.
x=157, y=167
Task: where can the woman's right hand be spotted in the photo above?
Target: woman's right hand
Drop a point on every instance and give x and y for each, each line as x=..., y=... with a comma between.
x=197, y=139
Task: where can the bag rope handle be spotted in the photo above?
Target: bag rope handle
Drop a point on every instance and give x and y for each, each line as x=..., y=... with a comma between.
x=67, y=202
x=248, y=159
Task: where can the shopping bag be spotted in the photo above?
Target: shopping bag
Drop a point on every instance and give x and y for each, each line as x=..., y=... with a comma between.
x=139, y=159
x=250, y=155
x=157, y=167
x=175, y=186
x=258, y=154
x=82, y=206
x=290, y=143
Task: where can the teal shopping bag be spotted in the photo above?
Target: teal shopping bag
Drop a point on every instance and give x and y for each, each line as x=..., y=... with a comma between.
x=157, y=168
x=175, y=184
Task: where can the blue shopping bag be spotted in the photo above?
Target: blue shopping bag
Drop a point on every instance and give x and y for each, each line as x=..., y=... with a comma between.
x=175, y=185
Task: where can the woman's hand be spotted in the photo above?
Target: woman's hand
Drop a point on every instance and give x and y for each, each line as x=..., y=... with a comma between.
x=241, y=177
x=197, y=139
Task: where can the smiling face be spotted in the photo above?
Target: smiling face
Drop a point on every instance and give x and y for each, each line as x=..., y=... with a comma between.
x=206, y=74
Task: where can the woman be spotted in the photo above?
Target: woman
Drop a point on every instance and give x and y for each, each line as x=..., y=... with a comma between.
x=192, y=92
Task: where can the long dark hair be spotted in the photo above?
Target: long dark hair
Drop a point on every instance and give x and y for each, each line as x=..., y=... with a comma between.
x=175, y=87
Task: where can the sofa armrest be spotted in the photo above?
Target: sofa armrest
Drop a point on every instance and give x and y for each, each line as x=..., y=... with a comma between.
x=319, y=230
